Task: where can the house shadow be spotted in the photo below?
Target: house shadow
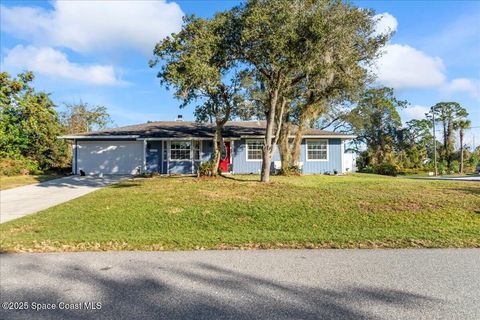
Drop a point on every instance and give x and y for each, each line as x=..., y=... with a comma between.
x=198, y=291
x=84, y=181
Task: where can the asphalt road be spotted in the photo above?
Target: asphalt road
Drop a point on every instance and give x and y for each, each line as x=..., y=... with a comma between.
x=283, y=284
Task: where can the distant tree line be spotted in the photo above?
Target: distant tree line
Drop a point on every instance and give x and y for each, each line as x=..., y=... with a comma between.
x=30, y=126
x=387, y=146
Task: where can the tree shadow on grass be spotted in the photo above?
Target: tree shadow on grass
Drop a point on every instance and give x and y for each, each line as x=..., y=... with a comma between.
x=230, y=177
x=196, y=291
x=472, y=190
x=122, y=185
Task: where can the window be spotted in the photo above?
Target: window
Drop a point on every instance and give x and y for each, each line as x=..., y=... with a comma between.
x=317, y=150
x=180, y=150
x=196, y=150
x=254, y=150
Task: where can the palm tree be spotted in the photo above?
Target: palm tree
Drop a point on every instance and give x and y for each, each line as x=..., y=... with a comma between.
x=462, y=125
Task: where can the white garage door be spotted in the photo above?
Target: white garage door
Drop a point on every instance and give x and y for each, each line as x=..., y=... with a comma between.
x=109, y=157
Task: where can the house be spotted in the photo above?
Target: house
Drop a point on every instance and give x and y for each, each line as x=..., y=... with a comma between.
x=178, y=147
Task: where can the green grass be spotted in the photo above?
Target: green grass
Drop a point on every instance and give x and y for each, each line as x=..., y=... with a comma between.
x=359, y=211
x=8, y=182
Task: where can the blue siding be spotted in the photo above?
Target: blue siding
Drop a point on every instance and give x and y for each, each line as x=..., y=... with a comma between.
x=154, y=158
x=155, y=161
x=334, y=159
x=207, y=150
x=180, y=167
x=240, y=163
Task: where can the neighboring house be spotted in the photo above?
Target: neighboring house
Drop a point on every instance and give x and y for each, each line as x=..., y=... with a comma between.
x=178, y=147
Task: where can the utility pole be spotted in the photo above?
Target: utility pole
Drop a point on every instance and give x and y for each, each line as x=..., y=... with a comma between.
x=434, y=143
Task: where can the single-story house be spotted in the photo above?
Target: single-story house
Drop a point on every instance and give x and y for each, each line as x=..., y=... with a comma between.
x=178, y=147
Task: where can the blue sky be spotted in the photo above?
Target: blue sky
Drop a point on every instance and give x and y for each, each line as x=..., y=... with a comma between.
x=98, y=52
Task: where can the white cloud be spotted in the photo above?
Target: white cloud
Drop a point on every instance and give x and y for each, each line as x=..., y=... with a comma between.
x=464, y=85
x=86, y=26
x=402, y=67
x=51, y=62
x=386, y=23
x=415, y=112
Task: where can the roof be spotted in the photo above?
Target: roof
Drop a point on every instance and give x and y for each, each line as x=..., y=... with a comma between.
x=188, y=129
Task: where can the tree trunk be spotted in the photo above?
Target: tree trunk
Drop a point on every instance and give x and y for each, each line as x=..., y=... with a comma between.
x=461, y=150
x=449, y=145
x=267, y=148
x=284, y=146
x=268, y=145
x=297, y=143
x=217, y=148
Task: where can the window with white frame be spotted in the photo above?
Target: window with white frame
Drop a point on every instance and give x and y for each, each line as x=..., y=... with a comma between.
x=254, y=150
x=196, y=149
x=317, y=150
x=180, y=150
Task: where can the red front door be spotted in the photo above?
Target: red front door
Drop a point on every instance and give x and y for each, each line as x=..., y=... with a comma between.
x=225, y=157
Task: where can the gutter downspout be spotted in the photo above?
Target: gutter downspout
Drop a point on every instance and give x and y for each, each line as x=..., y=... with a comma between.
x=342, y=155
x=75, y=157
x=144, y=166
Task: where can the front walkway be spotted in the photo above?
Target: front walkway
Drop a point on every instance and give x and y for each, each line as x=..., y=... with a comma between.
x=21, y=201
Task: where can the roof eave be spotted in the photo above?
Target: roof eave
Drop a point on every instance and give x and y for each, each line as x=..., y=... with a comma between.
x=98, y=137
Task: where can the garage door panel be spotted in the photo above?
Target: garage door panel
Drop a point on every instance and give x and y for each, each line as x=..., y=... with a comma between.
x=109, y=157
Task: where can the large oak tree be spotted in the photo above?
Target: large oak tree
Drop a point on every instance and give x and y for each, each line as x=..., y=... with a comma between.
x=302, y=55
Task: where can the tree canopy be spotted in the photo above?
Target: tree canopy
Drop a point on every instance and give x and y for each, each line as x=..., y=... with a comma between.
x=29, y=123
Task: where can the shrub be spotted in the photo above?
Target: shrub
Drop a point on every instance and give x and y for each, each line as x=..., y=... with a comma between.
x=386, y=169
x=442, y=167
x=454, y=166
x=21, y=166
x=292, y=170
x=206, y=169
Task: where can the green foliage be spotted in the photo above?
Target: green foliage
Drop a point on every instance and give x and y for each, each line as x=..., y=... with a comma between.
x=82, y=117
x=448, y=114
x=291, y=170
x=206, y=169
x=198, y=63
x=22, y=166
x=454, y=166
x=301, y=55
x=376, y=122
x=29, y=123
x=442, y=167
x=386, y=169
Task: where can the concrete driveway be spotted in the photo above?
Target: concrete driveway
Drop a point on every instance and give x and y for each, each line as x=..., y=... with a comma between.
x=21, y=201
x=263, y=284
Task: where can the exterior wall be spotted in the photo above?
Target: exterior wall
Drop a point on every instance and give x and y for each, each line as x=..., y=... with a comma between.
x=155, y=162
x=240, y=163
x=334, y=162
x=154, y=156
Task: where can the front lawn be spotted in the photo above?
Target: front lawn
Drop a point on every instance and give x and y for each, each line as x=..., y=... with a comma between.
x=359, y=211
x=8, y=182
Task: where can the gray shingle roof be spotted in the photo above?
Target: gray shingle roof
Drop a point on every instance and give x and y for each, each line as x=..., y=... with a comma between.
x=187, y=129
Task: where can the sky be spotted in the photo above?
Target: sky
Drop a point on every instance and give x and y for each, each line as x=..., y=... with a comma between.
x=98, y=52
